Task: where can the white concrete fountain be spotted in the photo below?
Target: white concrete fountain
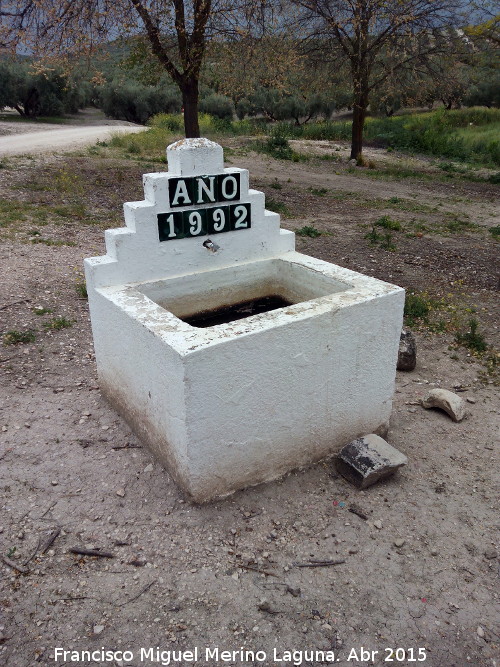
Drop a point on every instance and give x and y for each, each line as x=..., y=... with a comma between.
x=231, y=404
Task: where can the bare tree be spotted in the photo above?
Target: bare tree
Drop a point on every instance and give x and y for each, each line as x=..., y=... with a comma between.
x=378, y=37
x=176, y=30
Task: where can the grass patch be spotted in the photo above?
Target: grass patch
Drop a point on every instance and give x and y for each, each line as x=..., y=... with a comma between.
x=58, y=323
x=470, y=135
x=456, y=225
x=387, y=222
x=276, y=185
x=13, y=212
x=471, y=338
x=81, y=290
x=417, y=307
x=308, y=230
x=319, y=192
x=16, y=337
x=277, y=207
x=51, y=242
x=384, y=241
x=42, y=311
x=495, y=232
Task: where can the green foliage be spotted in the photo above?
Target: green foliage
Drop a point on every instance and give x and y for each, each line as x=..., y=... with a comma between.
x=417, y=307
x=472, y=339
x=384, y=241
x=495, y=232
x=15, y=337
x=218, y=106
x=319, y=192
x=388, y=223
x=277, y=207
x=81, y=290
x=44, y=92
x=494, y=178
x=278, y=106
x=308, y=230
x=137, y=103
x=464, y=134
x=58, y=323
x=42, y=311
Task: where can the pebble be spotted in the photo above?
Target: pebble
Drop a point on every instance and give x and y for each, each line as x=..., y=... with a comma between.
x=480, y=631
x=121, y=493
x=98, y=629
x=148, y=468
x=434, y=552
x=378, y=524
x=470, y=399
x=399, y=542
x=490, y=554
x=54, y=482
x=353, y=551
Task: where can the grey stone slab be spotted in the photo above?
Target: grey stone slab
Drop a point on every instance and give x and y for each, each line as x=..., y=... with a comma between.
x=369, y=459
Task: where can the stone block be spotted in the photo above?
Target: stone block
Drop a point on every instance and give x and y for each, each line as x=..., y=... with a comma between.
x=369, y=459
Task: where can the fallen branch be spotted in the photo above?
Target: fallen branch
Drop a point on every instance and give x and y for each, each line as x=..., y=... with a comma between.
x=14, y=303
x=127, y=446
x=50, y=540
x=256, y=569
x=15, y=566
x=90, y=552
x=358, y=512
x=141, y=592
x=320, y=563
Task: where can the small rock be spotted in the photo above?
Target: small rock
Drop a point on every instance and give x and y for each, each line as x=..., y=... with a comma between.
x=54, y=482
x=369, y=459
x=148, y=468
x=353, y=551
x=470, y=399
x=407, y=353
x=480, y=631
x=293, y=591
x=98, y=629
x=121, y=493
x=453, y=405
x=490, y=554
x=399, y=542
x=378, y=524
x=434, y=552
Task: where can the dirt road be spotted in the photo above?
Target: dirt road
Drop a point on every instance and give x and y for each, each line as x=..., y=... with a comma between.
x=55, y=139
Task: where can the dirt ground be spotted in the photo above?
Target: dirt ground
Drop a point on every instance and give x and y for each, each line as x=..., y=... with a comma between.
x=420, y=573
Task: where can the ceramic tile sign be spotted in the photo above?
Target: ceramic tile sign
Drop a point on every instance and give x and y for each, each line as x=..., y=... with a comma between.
x=223, y=214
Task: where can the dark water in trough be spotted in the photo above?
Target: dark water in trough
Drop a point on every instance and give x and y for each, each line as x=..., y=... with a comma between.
x=238, y=311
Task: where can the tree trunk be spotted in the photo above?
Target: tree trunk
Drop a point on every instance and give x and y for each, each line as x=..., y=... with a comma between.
x=358, y=124
x=190, y=95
